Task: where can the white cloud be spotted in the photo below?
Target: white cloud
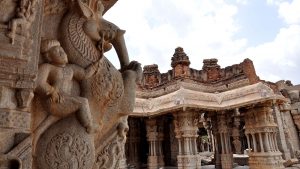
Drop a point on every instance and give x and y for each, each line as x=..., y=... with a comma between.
x=290, y=11
x=154, y=30
x=274, y=2
x=243, y=2
x=279, y=58
x=205, y=29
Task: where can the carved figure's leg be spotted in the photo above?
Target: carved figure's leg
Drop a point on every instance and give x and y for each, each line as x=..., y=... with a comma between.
x=84, y=114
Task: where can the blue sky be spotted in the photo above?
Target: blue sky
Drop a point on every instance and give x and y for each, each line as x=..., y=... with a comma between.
x=266, y=31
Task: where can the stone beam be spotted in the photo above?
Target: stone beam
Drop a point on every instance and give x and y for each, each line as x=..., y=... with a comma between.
x=187, y=98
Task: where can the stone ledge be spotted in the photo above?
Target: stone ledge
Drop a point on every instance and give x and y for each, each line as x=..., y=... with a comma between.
x=186, y=98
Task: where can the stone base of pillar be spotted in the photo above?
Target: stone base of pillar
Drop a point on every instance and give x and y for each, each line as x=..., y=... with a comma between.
x=227, y=161
x=286, y=155
x=198, y=165
x=153, y=162
x=188, y=162
x=161, y=162
x=266, y=160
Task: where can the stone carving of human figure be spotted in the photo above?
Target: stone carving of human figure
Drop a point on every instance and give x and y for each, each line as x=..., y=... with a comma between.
x=55, y=83
x=25, y=15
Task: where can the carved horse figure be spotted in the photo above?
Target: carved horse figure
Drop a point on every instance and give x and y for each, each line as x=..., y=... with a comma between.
x=110, y=92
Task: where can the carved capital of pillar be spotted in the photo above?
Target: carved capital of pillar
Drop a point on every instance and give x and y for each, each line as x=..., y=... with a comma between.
x=186, y=124
x=261, y=130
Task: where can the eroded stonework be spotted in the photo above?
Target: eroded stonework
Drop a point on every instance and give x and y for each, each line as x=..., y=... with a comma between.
x=62, y=103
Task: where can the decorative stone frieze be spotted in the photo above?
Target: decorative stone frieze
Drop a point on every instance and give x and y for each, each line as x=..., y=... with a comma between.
x=243, y=96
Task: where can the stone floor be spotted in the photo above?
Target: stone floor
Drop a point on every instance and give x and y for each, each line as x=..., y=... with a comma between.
x=209, y=167
x=212, y=167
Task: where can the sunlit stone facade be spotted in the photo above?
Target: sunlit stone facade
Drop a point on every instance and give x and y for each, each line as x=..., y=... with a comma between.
x=185, y=112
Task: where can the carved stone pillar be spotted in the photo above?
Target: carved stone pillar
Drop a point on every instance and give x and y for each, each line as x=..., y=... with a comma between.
x=223, y=130
x=291, y=133
x=186, y=127
x=20, y=33
x=174, y=145
x=283, y=142
x=154, y=137
x=133, y=142
x=207, y=126
x=296, y=118
x=217, y=142
x=236, y=133
x=260, y=130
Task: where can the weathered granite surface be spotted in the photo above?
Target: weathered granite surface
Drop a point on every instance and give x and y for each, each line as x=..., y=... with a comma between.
x=62, y=103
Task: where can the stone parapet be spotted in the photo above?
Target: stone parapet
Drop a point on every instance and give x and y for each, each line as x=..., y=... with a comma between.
x=210, y=74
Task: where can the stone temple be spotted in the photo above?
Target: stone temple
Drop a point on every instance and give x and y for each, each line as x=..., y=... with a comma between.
x=63, y=105
x=185, y=116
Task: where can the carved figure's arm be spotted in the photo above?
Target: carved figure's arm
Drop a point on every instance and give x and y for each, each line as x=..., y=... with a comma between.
x=43, y=87
x=81, y=73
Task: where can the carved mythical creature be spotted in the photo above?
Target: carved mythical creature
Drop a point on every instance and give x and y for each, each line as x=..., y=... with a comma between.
x=86, y=29
x=85, y=36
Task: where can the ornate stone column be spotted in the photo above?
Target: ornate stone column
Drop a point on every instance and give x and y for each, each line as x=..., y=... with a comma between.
x=133, y=142
x=283, y=143
x=19, y=55
x=207, y=126
x=260, y=130
x=154, y=137
x=236, y=133
x=160, y=138
x=174, y=144
x=223, y=130
x=290, y=128
x=217, y=141
x=186, y=127
x=282, y=136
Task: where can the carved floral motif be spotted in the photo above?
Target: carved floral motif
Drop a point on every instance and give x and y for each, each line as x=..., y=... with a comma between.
x=67, y=150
